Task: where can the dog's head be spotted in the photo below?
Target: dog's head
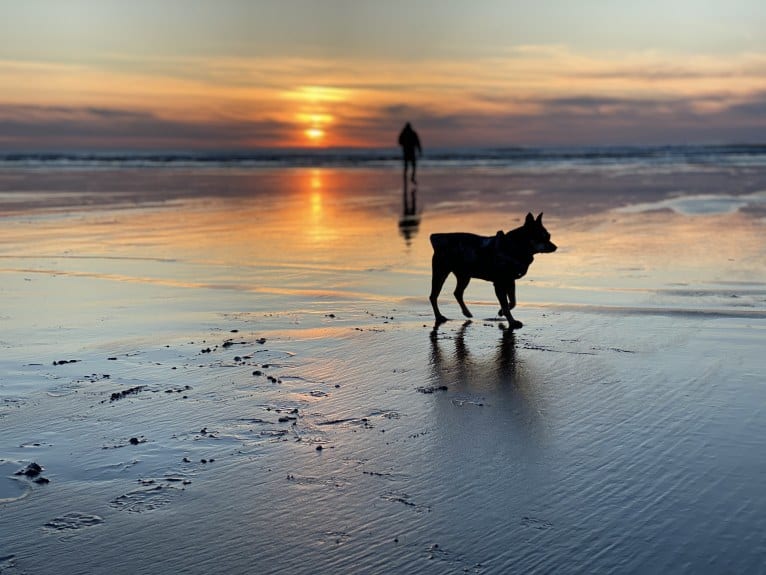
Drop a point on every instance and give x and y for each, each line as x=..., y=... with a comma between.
x=539, y=238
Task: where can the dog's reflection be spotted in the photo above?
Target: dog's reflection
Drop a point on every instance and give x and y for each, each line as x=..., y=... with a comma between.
x=461, y=367
x=410, y=220
x=508, y=384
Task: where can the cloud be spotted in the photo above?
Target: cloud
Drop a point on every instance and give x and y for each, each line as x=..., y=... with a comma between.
x=571, y=120
x=53, y=127
x=563, y=121
x=605, y=105
x=528, y=95
x=753, y=107
x=584, y=120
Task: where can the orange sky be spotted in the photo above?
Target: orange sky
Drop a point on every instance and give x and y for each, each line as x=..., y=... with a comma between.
x=93, y=90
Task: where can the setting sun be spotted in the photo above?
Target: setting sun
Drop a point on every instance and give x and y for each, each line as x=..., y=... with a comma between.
x=315, y=135
x=314, y=111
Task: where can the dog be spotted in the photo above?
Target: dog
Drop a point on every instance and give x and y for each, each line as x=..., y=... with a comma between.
x=500, y=259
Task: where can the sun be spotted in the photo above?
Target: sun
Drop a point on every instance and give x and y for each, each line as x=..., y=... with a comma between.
x=313, y=112
x=315, y=135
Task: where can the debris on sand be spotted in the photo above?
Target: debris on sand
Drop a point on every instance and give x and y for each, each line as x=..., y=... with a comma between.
x=33, y=471
x=433, y=388
x=126, y=392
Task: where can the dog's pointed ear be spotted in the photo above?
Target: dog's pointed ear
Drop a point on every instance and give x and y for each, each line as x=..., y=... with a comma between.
x=540, y=218
x=530, y=219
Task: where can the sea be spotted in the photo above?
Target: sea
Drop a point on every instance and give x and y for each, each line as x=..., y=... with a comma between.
x=547, y=158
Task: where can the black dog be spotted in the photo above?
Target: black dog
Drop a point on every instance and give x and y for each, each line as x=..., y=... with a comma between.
x=501, y=259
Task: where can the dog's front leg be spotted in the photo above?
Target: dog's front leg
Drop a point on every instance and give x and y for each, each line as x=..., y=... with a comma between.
x=506, y=295
x=502, y=296
x=439, y=275
x=511, y=290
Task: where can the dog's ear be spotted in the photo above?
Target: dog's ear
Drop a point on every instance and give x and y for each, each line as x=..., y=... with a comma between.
x=530, y=219
x=540, y=218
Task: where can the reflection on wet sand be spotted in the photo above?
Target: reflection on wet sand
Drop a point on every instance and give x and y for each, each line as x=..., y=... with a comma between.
x=410, y=220
x=462, y=369
x=488, y=404
x=594, y=442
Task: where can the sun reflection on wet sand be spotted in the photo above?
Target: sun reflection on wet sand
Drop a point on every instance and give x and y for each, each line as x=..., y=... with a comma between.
x=324, y=230
x=321, y=223
x=547, y=434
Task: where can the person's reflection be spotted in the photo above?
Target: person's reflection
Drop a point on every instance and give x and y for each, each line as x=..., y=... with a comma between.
x=410, y=220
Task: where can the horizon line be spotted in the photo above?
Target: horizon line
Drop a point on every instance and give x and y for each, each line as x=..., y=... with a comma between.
x=310, y=149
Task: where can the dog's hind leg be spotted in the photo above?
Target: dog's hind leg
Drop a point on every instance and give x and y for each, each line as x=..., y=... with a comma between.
x=462, y=283
x=439, y=273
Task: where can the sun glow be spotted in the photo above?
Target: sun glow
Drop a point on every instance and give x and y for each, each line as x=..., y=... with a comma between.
x=314, y=111
x=317, y=121
x=315, y=135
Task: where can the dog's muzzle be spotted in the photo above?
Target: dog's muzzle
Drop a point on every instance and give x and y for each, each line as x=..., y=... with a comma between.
x=545, y=248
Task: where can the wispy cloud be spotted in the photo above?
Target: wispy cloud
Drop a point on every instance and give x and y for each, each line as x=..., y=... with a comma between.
x=527, y=95
x=64, y=127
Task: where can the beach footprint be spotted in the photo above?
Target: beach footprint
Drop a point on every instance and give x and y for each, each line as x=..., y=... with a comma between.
x=70, y=522
x=143, y=500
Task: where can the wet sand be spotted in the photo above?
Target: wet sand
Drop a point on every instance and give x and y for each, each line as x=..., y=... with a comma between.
x=240, y=373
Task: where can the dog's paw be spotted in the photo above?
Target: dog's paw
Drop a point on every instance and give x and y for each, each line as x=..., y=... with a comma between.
x=440, y=319
x=515, y=324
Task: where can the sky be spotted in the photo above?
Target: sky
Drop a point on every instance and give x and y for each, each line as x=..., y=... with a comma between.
x=237, y=74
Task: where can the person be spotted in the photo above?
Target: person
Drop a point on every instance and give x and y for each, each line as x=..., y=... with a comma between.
x=410, y=143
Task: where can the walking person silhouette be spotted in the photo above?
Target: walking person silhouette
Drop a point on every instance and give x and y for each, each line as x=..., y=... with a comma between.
x=410, y=143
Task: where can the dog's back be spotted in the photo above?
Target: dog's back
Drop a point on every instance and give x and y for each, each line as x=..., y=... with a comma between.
x=456, y=241
x=462, y=252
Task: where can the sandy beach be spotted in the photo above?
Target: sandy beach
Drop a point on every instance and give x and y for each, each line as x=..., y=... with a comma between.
x=237, y=371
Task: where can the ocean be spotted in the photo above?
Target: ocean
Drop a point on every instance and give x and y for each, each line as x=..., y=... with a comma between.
x=742, y=155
